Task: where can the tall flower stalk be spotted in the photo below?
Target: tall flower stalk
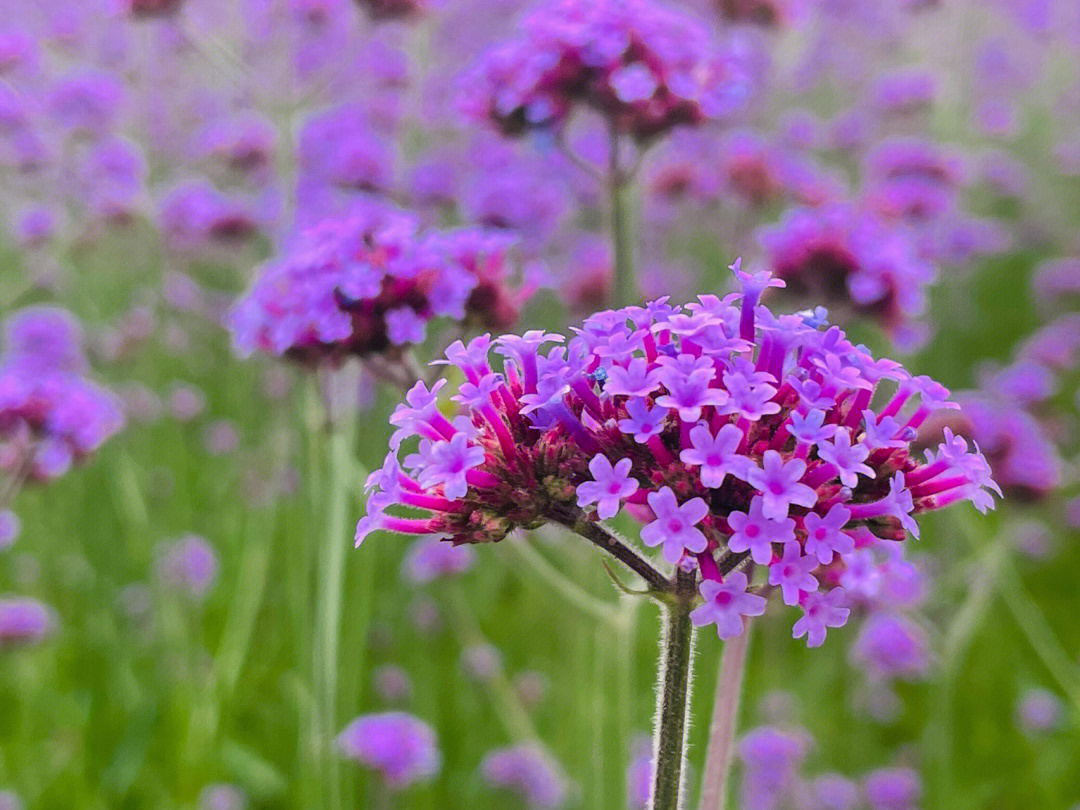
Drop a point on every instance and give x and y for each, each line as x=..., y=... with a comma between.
x=619, y=185
x=330, y=588
x=718, y=757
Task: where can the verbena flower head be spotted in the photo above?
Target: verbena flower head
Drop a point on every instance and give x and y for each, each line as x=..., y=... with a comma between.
x=891, y=645
x=842, y=256
x=643, y=65
x=892, y=789
x=189, y=564
x=529, y=771
x=733, y=435
x=24, y=621
x=400, y=747
x=51, y=416
x=370, y=283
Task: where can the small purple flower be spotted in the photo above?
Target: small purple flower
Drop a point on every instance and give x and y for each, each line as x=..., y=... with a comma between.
x=821, y=611
x=9, y=529
x=833, y=792
x=633, y=83
x=611, y=485
x=1038, y=711
x=810, y=428
x=9, y=801
x=892, y=646
x=725, y=605
x=529, y=771
x=752, y=531
x=674, y=525
x=189, y=564
x=24, y=621
x=689, y=393
x=643, y=421
x=892, y=789
x=481, y=662
x=847, y=458
x=824, y=535
x=449, y=463
x=404, y=326
x=186, y=402
x=430, y=559
x=400, y=747
x=392, y=683
x=793, y=574
x=779, y=484
x=221, y=437
x=222, y=797
x=639, y=775
x=636, y=380
x=718, y=455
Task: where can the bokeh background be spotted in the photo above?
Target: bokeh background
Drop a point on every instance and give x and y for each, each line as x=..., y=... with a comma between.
x=152, y=158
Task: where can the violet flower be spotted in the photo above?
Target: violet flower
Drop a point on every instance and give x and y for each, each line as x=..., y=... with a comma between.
x=398, y=746
x=528, y=771
x=644, y=66
x=24, y=621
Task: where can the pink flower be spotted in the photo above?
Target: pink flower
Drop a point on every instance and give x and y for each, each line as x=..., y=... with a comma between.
x=725, y=605
x=674, y=526
x=611, y=485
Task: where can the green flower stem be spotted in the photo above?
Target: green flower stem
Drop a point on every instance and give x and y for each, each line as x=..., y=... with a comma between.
x=328, y=613
x=619, y=188
x=714, y=783
x=673, y=697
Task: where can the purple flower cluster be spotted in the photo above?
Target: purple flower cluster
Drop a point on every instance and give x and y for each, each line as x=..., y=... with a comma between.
x=733, y=435
x=400, y=747
x=773, y=760
x=24, y=621
x=841, y=254
x=529, y=771
x=370, y=283
x=644, y=66
x=51, y=415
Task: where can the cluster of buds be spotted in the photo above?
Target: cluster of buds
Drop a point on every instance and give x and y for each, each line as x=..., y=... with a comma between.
x=369, y=284
x=738, y=438
x=643, y=66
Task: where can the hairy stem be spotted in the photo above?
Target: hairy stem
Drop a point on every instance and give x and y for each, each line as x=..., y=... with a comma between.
x=673, y=698
x=725, y=715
